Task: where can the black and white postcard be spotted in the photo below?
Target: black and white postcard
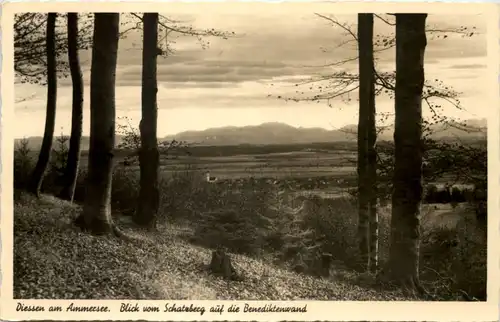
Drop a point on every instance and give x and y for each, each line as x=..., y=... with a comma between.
x=246, y=161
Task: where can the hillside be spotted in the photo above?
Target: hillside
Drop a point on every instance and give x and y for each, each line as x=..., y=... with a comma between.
x=54, y=260
x=280, y=133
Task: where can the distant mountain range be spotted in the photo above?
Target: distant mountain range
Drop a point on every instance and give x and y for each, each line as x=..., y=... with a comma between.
x=280, y=133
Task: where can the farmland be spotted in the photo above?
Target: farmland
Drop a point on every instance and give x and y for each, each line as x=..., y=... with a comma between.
x=300, y=164
x=295, y=168
x=325, y=170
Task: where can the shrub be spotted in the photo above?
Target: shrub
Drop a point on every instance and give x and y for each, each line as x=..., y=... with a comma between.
x=470, y=260
x=431, y=193
x=183, y=193
x=259, y=220
x=332, y=226
x=52, y=181
x=333, y=229
x=125, y=190
x=457, y=195
x=237, y=220
x=232, y=229
x=453, y=261
x=23, y=164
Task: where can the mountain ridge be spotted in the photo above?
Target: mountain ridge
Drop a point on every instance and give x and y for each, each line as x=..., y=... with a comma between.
x=282, y=133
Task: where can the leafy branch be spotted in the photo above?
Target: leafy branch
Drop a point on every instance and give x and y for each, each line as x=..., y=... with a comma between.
x=30, y=63
x=168, y=26
x=130, y=142
x=340, y=84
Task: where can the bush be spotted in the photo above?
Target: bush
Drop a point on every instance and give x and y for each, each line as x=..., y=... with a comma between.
x=332, y=229
x=257, y=222
x=453, y=261
x=23, y=164
x=52, y=181
x=457, y=195
x=430, y=194
x=125, y=190
x=238, y=220
x=184, y=193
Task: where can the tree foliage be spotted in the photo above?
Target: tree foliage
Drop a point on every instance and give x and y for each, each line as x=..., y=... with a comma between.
x=29, y=40
x=169, y=29
x=130, y=140
x=30, y=62
x=339, y=85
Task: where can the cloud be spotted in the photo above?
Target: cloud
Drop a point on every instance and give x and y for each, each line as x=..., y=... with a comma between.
x=467, y=66
x=233, y=77
x=208, y=72
x=197, y=85
x=270, y=46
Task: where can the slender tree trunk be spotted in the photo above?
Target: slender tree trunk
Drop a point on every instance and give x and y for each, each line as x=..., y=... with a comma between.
x=148, y=201
x=367, y=78
x=96, y=215
x=405, y=224
x=366, y=99
x=71, y=171
x=373, y=214
x=50, y=118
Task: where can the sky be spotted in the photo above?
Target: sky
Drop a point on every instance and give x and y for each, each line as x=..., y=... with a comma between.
x=237, y=81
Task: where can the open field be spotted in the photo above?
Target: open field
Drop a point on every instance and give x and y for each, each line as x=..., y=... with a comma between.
x=273, y=164
x=324, y=172
x=270, y=166
x=323, y=169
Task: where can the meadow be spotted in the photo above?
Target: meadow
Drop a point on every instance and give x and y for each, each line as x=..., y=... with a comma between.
x=275, y=209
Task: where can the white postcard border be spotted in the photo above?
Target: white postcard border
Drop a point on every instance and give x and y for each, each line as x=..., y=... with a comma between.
x=316, y=310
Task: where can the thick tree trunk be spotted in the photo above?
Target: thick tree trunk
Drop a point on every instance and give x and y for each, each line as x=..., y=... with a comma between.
x=71, y=171
x=50, y=118
x=96, y=215
x=148, y=201
x=366, y=103
x=407, y=195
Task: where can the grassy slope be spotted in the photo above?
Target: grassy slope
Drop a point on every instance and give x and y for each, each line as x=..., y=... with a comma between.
x=53, y=260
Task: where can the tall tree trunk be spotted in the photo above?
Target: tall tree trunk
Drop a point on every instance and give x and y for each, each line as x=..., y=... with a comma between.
x=407, y=195
x=50, y=118
x=148, y=201
x=367, y=79
x=96, y=215
x=71, y=171
x=366, y=99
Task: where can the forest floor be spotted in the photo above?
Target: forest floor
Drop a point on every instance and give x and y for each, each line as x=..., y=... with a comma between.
x=55, y=260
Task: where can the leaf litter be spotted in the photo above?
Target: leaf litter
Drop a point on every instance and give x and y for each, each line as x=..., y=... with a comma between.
x=54, y=260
